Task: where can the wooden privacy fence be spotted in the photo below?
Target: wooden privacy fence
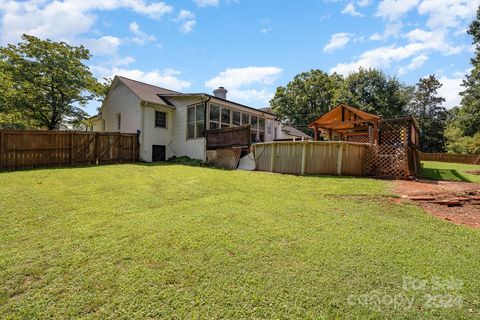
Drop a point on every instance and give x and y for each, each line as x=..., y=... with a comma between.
x=308, y=157
x=29, y=149
x=451, y=157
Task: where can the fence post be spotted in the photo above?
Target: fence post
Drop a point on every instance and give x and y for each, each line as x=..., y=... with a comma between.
x=120, y=147
x=2, y=150
x=71, y=148
x=134, y=144
x=339, y=158
x=272, y=158
x=304, y=157
x=96, y=149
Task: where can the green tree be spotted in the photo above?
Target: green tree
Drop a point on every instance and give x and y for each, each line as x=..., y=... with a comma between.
x=50, y=84
x=306, y=97
x=372, y=91
x=427, y=108
x=468, y=116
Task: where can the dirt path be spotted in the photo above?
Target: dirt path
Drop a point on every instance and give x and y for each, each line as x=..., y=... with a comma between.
x=458, y=202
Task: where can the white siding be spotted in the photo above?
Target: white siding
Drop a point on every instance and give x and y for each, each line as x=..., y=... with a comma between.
x=192, y=148
x=135, y=116
x=156, y=136
x=98, y=125
x=121, y=101
x=270, y=123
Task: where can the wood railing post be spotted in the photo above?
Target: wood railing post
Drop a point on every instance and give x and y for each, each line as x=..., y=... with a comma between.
x=304, y=157
x=272, y=158
x=339, y=158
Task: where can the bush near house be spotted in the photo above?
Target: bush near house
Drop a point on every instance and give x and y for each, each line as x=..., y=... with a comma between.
x=172, y=241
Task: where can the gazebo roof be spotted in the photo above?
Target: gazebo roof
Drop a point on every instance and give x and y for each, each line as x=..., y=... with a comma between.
x=343, y=117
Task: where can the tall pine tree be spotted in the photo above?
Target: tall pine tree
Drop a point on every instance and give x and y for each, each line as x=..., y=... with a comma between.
x=468, y=116
x=427, y=108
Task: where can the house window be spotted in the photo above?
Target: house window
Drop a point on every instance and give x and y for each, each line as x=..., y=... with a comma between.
x=269, y=128
x=245, y=118
x=236, y=118
x=160, y=119
x=225, y=118
x=119, y=121
x=214, y=117
x=196, y=122
x=261, y=129
x=254, y=128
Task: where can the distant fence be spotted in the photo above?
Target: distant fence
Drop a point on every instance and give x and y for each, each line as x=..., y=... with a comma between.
x=329, y=158
x=29, y=149
x=451, y=157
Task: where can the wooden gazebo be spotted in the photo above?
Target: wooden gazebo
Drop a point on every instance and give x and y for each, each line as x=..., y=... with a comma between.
x=348, y=123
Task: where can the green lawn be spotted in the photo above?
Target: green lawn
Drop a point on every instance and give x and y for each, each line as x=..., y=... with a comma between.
x=171, y=241
x=449, y=171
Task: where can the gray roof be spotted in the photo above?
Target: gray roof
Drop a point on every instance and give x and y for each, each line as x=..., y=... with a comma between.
x=267, y=109
x=158, y=95
x=295, y=132
x=147, y=92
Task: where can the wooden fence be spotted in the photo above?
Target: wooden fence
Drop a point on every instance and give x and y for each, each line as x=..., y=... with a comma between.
x=451, y=157
x=308, y=157
x=30, y=149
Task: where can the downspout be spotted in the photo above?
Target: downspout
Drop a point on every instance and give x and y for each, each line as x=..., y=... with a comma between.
x=142, y=132
x=205, y=124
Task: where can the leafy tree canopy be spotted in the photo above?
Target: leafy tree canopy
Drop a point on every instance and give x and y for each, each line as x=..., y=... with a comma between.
x=307, y=96
x=372, y=91
x=48, y=82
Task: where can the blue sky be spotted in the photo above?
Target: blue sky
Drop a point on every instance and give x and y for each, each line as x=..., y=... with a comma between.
x=253, y=46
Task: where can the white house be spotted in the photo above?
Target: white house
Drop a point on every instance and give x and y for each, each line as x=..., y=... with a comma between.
x=171, y=123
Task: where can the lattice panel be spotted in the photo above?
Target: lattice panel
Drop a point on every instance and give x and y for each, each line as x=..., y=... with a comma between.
x=392, y=162
x=224, y=158
x=364, y=138
x=390, y=159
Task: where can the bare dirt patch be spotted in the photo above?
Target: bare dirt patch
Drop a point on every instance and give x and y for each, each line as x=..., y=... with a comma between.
x=458, y=202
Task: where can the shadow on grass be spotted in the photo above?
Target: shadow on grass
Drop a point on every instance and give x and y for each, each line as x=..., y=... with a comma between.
x=443, y=174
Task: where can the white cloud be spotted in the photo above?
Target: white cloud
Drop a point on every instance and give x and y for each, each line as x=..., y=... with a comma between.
x=416, y=63
x=250, y=85
x=420, y=44
x=207, y=3
x=350, y=9
x=240, y=77
x=451, y=91
x=168, y=78
x=211, y=3
x=446, y=14
x=337, y=41
x=63, y=20
x=395, y=9
x=106, y=45
x=364, y=3
x=140, y=36
x=375, y=37
x=187, y=19
x=251, y=96
x=265, y=30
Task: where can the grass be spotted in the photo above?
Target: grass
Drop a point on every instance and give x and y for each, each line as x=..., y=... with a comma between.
x=449, y=171
x=172, y=241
